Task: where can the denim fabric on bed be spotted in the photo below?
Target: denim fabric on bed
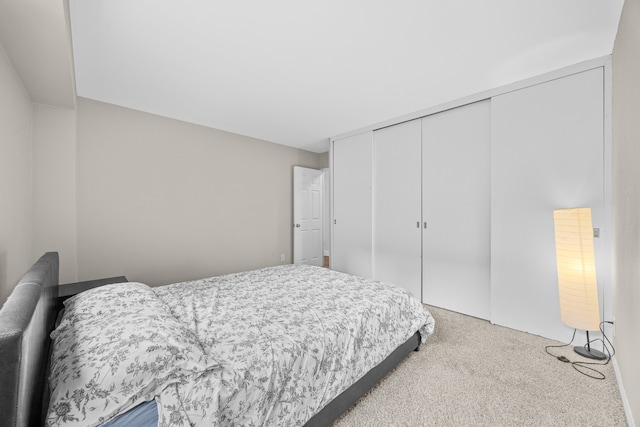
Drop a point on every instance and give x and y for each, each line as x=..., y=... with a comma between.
x=143, y=415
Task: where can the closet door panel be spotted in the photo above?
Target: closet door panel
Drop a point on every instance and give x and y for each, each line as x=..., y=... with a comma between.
x=397, y=206
x=547, y=153
x=352, y=163
x=456, y=205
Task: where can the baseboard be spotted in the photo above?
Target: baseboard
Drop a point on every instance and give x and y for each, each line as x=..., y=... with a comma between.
x=623, y=395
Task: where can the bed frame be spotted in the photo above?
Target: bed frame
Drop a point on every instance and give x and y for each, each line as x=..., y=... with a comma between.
x=27, y=319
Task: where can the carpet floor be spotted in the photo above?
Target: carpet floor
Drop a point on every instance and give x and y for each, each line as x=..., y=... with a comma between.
x=473, y=373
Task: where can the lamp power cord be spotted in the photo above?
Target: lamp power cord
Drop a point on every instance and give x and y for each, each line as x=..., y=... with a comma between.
x=585, y=368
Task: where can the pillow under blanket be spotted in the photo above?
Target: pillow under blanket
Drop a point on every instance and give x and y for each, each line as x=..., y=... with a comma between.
x=118, y=346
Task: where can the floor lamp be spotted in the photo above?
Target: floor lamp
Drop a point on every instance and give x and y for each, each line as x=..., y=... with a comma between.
x=577, y=274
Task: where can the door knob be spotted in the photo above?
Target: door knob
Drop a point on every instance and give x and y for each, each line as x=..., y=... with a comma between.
x=297, y=225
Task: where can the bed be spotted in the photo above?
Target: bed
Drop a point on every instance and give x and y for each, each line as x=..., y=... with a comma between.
x=275, y=346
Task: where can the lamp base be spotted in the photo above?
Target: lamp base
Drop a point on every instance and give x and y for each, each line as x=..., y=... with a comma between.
x=590, y=354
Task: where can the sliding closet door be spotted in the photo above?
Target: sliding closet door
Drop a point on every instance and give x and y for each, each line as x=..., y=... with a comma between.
x=456, y=208
x=352, y=162
x=547, y=153
x=397, y=206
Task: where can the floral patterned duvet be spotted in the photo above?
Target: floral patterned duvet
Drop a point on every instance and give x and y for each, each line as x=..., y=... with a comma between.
x=265, y=347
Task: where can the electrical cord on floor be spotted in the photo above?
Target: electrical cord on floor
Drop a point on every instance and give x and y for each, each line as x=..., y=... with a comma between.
x=583, y=367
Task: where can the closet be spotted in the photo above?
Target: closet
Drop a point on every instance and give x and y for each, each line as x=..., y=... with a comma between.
x=428, y=219
x=352, y=209
x=456, y=205
x=396, y=206
x=547, y=153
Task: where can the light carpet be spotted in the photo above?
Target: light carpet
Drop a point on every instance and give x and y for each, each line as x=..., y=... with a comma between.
x=473, y=373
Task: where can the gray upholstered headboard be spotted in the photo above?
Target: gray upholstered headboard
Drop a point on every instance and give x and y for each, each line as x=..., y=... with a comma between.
x=26, y=320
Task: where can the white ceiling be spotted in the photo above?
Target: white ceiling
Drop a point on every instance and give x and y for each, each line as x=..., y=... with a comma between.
x=296, y=72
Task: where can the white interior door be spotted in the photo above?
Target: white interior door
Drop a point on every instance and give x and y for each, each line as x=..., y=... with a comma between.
x=307, y=216
x=456, y=206
x=397, y=237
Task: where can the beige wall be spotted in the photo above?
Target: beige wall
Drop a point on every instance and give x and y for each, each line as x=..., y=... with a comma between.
x=15, y=177
x=323, y=160
x=54, y=186
x=626, y=200
x=161, y=200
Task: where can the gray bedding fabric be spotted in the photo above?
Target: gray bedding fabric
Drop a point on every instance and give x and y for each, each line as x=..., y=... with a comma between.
x=265, y=347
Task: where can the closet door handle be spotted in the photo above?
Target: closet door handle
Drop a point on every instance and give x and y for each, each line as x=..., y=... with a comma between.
x=425, y=224
x=418, y=224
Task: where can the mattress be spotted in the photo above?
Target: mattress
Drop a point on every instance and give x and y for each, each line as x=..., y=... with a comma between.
x=266, y=347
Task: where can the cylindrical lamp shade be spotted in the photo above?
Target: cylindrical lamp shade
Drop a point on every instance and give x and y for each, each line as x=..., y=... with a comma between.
x=576, y=269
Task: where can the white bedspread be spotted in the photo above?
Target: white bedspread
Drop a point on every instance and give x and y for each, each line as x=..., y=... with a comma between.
x=265, y=347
